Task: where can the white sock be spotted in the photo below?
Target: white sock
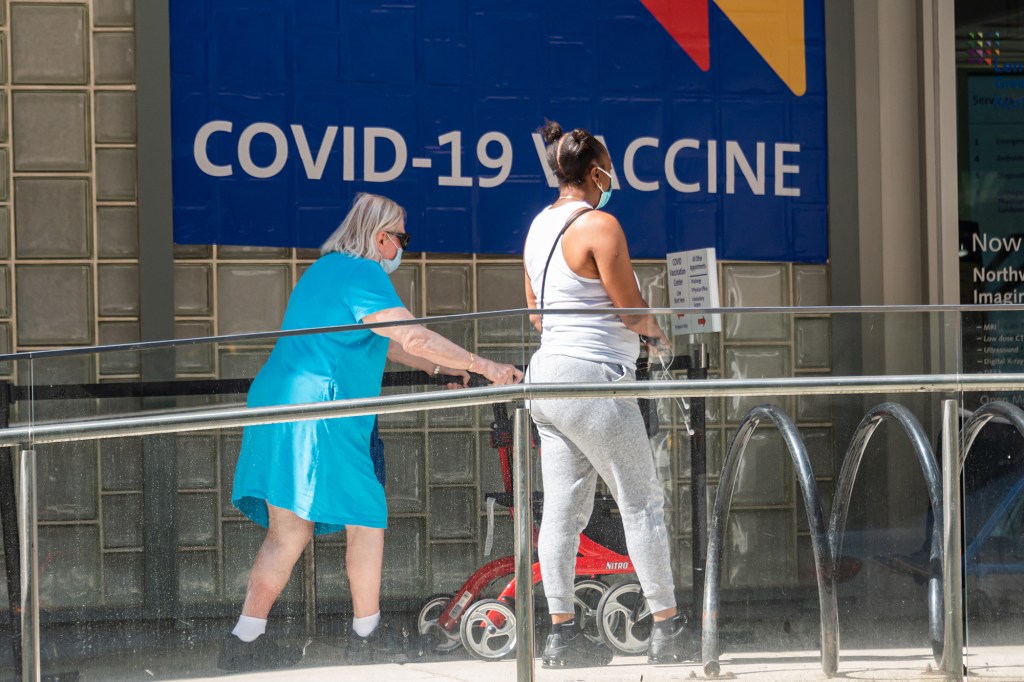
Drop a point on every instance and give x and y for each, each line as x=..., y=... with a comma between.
x=364, y=626
x=249, y=628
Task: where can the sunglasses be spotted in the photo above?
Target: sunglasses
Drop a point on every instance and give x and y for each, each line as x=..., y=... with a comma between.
x=402, y=237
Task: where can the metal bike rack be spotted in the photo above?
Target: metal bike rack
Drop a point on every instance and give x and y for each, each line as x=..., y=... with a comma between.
x=827, y=547
x=982, y=416
x=841, y=506
x=944, y=588
x=819, y=541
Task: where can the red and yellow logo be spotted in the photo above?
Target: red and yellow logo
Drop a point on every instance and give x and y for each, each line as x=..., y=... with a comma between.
x=775, y=28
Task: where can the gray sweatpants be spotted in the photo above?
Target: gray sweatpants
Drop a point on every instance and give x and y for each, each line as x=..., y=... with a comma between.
x=581, y=440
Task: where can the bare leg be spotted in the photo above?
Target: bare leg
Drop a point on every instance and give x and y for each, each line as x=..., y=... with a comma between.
x=665, y=614
x=364, y=560
x=287, y=536
x=557, y=618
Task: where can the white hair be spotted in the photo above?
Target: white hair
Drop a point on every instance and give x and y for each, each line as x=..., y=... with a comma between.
x=370, y=213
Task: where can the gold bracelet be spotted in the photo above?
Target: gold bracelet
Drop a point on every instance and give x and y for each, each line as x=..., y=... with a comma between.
x=472, y=359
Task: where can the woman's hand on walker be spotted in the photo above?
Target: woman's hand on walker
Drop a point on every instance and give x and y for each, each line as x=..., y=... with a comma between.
x=658, y=346
x=498, y=373
x=452, y=372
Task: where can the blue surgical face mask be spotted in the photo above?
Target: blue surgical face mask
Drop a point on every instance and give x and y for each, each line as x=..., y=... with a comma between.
x=391, y=264
x=605, y=194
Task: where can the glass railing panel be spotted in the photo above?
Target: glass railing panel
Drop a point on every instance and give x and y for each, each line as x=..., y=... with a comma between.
x=143, y=529
x=105, y=507
x=992, y=494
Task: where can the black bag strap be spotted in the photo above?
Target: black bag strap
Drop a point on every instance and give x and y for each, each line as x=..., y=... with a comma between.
x=544, y=278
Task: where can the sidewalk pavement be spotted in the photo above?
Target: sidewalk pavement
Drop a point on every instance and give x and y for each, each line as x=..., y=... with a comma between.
x=990, y=664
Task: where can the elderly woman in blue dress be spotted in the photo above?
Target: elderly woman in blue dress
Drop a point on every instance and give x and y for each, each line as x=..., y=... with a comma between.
x=301, y=479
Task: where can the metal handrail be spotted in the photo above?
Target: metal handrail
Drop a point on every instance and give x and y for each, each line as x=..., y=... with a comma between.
x=226, y=417
x=515, y=312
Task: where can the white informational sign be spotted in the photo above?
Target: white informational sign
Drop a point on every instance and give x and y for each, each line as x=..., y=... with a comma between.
x=992, y=240
x=996, y=137
x=693, y=283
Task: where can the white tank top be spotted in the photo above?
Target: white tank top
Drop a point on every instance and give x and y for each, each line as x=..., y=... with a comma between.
x=599, y=338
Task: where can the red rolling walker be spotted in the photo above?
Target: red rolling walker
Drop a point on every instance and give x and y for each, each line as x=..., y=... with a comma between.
x=617, y=615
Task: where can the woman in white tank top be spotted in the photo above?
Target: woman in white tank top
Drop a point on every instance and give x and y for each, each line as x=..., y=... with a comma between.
x=589, y=266
x=576, y=257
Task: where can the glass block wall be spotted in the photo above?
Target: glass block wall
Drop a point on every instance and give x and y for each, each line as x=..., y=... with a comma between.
x=69, y=262
x=441, y=464
x=69, y=276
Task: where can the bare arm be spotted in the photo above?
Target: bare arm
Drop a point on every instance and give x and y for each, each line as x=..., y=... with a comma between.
x=417, y=340
x=615, y=269
x=531, y=302
x=399, y=355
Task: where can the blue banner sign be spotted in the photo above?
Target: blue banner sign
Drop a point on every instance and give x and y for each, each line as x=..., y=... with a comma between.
x=713, y=112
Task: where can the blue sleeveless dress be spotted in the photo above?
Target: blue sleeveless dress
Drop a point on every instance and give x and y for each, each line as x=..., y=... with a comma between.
x=321, y=469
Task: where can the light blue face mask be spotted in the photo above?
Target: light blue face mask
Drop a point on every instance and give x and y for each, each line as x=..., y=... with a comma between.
x=391, y=264
x=605, y=194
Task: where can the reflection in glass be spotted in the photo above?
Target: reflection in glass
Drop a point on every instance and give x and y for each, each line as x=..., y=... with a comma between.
x=757, y=556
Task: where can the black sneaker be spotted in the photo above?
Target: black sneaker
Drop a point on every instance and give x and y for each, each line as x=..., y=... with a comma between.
x=383, y=645
x=568, y=647
x=671, y=642
x=263, y=653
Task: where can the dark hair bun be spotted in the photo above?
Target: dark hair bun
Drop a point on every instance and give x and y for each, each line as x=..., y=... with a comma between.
x=551, y=131
x=571, y=155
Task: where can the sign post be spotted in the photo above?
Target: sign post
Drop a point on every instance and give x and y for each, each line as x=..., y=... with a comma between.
x=693, y=283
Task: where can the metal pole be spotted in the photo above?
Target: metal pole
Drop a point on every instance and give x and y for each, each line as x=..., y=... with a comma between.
x=31, y=670
x=954, y=634
x=156, y=304
x=523, y=484
x=9, y=521
x=698, y=482
x=309, y=587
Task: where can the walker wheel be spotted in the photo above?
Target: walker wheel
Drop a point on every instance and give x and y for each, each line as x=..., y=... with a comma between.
x=586, y=597
x=624, y=619
x=488, y=630
x=427, y=625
